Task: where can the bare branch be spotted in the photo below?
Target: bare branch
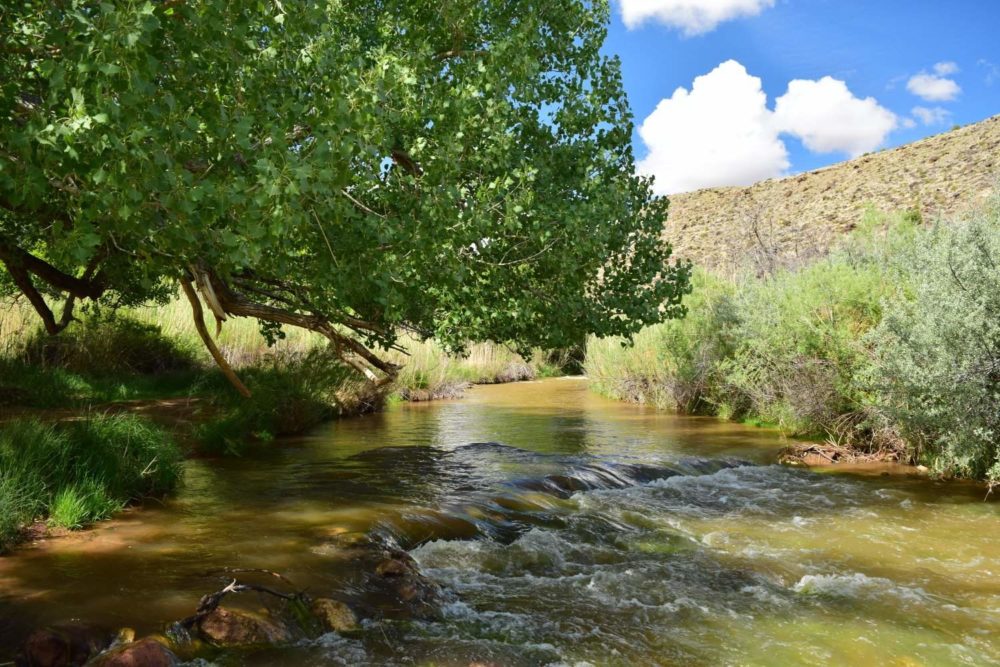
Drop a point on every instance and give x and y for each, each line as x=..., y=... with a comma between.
x=199, y=324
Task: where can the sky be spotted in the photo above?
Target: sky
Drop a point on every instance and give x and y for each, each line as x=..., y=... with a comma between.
x=730, y=92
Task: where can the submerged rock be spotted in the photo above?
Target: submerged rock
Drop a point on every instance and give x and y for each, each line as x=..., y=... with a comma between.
x=67, y=645
x=235, y=627
x=334, y=616
x=147, y=652
x=397, y=575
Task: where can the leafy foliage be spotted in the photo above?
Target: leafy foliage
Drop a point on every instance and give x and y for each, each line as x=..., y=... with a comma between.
x=291, y=394
x=938, y=349
x=890, y=342
x=800, y=344
x=460, y=169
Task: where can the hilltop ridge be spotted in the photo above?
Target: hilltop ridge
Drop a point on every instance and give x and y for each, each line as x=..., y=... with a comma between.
x=805, y=213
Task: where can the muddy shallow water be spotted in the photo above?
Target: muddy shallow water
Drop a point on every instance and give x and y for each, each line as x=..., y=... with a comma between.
x=563, y=529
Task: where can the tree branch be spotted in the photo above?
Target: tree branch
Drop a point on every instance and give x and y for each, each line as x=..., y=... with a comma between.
x=23, y=282
x=82, y=288
x=344, y=347
x=199, y=324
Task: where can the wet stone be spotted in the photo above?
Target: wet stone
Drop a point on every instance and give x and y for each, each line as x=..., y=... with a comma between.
x=144, y=653
x=63, y=645
x=233, y=627
x=397, y=575
x=335, y=616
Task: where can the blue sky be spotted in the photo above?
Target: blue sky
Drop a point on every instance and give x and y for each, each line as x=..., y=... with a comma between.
x=898, y=71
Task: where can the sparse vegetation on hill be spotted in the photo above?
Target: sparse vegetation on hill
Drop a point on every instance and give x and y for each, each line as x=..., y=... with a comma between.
x=803, y=216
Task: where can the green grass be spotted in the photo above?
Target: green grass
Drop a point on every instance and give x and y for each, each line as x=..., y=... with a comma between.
x=76, y=472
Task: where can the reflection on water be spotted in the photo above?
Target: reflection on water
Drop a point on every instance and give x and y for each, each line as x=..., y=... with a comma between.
x=563, y=528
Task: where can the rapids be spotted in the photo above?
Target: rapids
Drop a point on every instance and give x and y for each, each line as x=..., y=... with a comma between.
x=563, y=529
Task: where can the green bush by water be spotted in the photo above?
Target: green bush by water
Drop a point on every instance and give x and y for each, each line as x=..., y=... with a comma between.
x=290, y=394
x=893, y=340
x=676, y=364
x=937, y=349
x=76, y=472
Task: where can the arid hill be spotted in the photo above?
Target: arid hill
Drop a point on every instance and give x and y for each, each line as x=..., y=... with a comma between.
x=804, y=214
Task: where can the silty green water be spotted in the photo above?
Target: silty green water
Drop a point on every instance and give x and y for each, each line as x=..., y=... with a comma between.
x=563, y=529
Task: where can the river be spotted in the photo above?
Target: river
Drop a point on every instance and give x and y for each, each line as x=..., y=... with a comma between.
x=563, y=529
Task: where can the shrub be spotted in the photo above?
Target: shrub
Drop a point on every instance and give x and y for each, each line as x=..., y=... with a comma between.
x=938, y=349
x=109, y=344
x=675, y=364
x=80, y=471
x=800, y=344
x=290, y=394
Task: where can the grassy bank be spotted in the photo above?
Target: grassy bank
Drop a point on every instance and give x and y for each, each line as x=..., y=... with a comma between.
x=163, y=356
x=62, y=464
x=890, y=345
x=145, y=354
x=74, y=473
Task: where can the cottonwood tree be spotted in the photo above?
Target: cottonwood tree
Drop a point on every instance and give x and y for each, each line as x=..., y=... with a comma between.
x=460, y=169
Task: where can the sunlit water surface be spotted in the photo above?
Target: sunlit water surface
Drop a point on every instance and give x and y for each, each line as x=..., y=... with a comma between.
x=592, y=532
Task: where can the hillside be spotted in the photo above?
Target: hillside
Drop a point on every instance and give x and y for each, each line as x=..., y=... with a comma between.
x=802, y=215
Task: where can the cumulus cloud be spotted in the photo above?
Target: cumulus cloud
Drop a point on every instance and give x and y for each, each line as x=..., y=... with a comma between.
x=721, y=131
x=693, y=17
x=718, y=133
x=935, y=87
x=931, y=116
x=828, y=118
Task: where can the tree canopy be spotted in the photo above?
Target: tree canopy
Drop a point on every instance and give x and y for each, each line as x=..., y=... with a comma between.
x=460, y=169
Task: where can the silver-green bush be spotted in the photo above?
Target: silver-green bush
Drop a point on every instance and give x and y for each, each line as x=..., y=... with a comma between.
x=937, y=348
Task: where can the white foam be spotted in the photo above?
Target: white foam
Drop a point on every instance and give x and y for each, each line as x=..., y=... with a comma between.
x=857, y=585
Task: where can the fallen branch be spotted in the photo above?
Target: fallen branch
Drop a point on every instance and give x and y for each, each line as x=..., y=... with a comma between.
x=211, y=602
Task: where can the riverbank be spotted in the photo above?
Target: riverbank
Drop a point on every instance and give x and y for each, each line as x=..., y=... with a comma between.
x=884, y=350
x=145, y=367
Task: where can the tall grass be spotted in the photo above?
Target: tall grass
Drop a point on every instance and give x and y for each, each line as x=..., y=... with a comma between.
x=430, y=372
x=676, y=364
x=76, y=472
x=155, y=351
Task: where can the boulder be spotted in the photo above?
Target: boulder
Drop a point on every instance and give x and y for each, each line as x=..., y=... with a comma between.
x=144, y=653
x=334, y=616
x=397, y=574
x=66, y=645
x=235, y=627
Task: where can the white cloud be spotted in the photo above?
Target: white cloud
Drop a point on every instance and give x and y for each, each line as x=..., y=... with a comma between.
x=932, y=87
x=718, y=133
x=721, y=132
x=694, y=17
x=931, y=116
x=946, y=68
x=828, y=118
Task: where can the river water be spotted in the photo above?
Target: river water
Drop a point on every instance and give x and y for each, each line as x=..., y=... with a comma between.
x=563, y=529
